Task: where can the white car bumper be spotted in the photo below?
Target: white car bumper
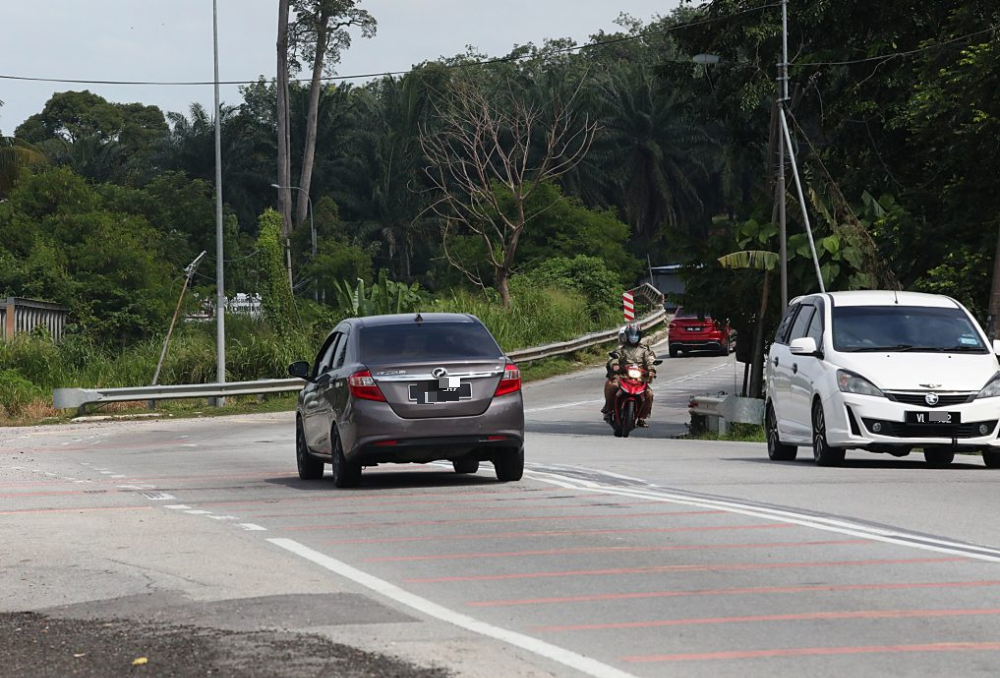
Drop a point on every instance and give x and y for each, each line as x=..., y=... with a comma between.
x=855, y=421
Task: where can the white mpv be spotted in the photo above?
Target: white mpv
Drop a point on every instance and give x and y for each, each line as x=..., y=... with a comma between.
x=882, y=371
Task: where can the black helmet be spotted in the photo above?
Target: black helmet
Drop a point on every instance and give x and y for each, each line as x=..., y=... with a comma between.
x=633, y=334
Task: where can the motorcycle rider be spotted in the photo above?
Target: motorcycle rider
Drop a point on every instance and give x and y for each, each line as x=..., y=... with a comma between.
x=631, y=350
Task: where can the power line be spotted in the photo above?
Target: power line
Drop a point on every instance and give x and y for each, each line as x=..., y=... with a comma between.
x=338, y=78
x=895, y=55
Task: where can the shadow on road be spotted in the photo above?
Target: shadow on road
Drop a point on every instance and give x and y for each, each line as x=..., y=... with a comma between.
x=914, y=462
x=416, y=476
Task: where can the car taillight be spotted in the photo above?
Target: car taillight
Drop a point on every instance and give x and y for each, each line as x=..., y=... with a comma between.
x=363, y=386
x=511, y=381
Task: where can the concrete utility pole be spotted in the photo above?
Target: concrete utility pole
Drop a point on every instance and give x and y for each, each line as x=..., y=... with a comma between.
x=220, y=299
x=782, y=98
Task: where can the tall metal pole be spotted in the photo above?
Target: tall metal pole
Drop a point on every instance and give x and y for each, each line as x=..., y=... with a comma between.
x=220, y=299
x=782, y=98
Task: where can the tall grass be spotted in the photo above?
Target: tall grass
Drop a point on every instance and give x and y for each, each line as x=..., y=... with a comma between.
x=538, y=315
x=30, y=367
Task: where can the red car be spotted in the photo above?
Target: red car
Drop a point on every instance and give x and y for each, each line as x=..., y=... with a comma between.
x=691, y=332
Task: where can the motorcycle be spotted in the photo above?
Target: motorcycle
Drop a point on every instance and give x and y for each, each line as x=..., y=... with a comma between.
x=633, y=381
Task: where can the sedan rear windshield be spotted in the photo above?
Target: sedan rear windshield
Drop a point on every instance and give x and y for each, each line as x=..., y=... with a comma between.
x=415, y=341
x=859, y=329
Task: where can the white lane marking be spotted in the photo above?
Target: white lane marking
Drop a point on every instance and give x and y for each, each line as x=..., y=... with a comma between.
x=223, y=517
x=568, y=658
x=198, y=512
x=563, y=406
x=251, y=527
x=158, y=496
x=178, y=507
x=136, y=487
x=119, y=476
x=889, y=536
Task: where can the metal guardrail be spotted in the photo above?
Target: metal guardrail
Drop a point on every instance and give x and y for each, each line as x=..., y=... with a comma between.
x=716, y=412
x=79, y=398
x=528, y=355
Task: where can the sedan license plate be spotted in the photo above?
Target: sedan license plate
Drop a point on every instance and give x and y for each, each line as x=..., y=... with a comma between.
x=934, y=417
x=429, y=393
x=694, y=329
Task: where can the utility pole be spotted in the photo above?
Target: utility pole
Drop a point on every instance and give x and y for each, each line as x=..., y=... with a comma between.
x=188, y=274
x=220, y=290
x=782, y=98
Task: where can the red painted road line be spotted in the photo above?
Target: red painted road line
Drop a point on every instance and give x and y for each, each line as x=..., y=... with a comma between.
x=463, y=507
x=617, y=549
x=814, y=652
x=100, y=447
x=76, y=510
x=379, y=498
x=466, y=521
x=802, y=616
x=679, y=568
x=758, y=590
x=547, y=533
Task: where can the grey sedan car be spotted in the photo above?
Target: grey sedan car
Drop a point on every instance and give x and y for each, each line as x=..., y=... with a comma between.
x=409, y=388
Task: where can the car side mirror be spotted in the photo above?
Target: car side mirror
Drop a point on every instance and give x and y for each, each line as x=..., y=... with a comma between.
x=300, y=369
x=803, y=346
x=996, y=346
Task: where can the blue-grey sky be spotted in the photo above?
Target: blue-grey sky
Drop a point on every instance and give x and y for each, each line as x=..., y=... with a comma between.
x=171, y=40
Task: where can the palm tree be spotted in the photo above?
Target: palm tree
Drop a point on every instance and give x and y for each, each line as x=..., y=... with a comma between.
x=657, y=157
x=14, y=156
x=381, y=173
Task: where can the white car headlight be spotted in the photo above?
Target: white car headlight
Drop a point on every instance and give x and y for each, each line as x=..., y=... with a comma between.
x=848, y=382
x=992, y=388
x=634, y=373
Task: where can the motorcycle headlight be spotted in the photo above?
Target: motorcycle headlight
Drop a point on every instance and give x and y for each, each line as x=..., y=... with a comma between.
x=634, y=373
x=848, y=382
x=992, y=388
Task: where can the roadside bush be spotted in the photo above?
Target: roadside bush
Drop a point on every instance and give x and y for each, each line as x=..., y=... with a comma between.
x=16, y=393
x=589, y=276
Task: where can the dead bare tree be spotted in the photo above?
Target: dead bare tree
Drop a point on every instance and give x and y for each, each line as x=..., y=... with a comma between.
x=481, y=147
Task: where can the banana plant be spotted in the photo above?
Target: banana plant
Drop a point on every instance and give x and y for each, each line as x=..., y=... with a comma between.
x=382, y=298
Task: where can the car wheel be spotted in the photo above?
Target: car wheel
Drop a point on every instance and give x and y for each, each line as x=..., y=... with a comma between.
x=673, y=352
x=509, y=465
x=628, y=418
x=310, y=468
x=823, y=453
x=466, y=465
x=345, y=474
x=777, y=450
x=991, y=459
x=939, y=457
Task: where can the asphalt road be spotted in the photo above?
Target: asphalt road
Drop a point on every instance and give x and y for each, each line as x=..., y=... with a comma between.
x=647, y=556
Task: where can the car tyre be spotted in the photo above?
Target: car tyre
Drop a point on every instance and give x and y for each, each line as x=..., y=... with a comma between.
x=991, y=459
x=823, y=453
x=465, y=465
x=509, y=465
x=310, y=468
x=673, y=352
x=345, y=473
x=777, y=450
x=939, y=457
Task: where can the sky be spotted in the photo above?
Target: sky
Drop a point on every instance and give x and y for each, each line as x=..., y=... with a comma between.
x=171, y=40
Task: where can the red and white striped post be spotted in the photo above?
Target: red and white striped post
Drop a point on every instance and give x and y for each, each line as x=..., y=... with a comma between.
x=628, y=304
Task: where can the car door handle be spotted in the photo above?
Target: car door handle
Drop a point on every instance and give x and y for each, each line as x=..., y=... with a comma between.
x=795, y=368
x=775, y=361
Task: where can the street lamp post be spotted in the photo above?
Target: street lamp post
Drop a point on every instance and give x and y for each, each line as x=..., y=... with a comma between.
x=220, y=300
x=312, y=224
